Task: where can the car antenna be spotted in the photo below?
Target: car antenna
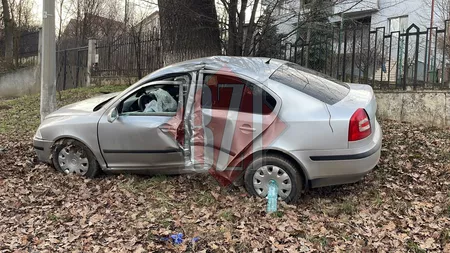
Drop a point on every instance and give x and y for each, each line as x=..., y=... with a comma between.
x=268, y=61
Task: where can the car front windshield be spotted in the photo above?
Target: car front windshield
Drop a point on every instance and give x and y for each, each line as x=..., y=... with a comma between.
x=314, y=84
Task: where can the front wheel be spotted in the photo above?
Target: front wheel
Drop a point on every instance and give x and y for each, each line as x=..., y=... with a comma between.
x=73, y=157
x=272, y=167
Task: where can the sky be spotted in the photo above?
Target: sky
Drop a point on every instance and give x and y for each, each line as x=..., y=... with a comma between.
x=37, y=13
x=37, y=10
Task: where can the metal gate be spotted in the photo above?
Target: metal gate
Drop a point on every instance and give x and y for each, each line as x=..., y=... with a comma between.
x=71, y=66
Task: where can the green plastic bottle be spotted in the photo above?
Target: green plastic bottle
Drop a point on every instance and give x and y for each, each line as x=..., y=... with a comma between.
x=272, y=197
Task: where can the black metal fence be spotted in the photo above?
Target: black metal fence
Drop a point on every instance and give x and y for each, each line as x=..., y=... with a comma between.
x=25, y=51
x=414, y=57
x=129, y=55
x=71, y=68
x=410, y=58
x=28, y=48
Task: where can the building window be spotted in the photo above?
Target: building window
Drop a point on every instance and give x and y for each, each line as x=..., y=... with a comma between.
x=398, y=24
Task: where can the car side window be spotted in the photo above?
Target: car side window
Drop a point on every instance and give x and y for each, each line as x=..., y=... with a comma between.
x=223, y=92
x=154, y=99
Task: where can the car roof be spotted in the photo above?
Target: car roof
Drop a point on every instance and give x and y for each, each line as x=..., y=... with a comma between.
x=257, y=68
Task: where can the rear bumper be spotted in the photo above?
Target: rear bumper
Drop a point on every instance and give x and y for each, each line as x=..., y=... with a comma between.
x=333, y=167
x=42, y=149
x=355, y=168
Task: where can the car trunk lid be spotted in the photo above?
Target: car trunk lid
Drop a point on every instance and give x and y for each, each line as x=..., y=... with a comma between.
x=359, y=96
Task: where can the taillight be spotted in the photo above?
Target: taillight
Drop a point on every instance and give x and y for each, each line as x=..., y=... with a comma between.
x=359, y=126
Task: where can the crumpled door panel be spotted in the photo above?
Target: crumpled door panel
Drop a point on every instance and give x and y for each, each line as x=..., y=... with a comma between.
x=222, y=140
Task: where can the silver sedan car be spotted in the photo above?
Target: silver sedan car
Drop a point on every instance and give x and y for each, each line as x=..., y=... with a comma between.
x=245, y=120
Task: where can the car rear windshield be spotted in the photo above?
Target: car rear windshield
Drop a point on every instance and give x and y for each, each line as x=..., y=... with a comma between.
x=312, y=83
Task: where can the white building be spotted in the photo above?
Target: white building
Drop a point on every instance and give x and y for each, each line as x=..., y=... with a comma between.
x=151, y=22
x=394, y=15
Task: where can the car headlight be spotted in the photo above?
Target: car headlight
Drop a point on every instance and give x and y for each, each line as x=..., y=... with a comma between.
x=38, y=134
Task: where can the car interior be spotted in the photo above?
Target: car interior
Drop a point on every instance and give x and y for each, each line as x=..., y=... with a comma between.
x=161, y=98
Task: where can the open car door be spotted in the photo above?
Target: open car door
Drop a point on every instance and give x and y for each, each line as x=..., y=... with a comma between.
x=228, y=116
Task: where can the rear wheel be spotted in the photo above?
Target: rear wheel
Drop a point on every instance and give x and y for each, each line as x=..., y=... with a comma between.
x=73, y=157
x=272, y=167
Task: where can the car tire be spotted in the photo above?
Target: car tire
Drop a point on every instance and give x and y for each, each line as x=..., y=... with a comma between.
x=73, y=157
x=264, y=168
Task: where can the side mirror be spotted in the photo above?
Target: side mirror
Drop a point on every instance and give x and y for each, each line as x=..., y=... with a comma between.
x=113, y=115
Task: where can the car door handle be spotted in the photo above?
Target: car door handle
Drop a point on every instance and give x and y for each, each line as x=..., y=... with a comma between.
x=164, y=129
x=247, y=128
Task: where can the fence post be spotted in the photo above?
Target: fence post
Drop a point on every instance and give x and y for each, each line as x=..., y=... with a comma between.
x=37, y=70
x=90, y=60
x=308, y=41
x=65, y=70
x=39, y=61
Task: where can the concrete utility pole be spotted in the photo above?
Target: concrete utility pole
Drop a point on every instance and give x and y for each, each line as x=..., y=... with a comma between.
x=48, y=62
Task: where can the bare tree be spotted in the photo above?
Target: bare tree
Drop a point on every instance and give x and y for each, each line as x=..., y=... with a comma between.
x=189, y=29
x=241, y=29
x=17, y=21
x=136, y=30
x=62, y=8
x=232, y=27
x=251, y=28
x=239, y=32
x=21, y=14
x=442, y=15
x=87, y=17
x=9, y=32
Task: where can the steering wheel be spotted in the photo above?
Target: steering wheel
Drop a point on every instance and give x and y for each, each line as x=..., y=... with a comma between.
x=145, y=99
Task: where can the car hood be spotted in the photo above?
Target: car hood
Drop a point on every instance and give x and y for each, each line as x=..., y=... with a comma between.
x=83, y=107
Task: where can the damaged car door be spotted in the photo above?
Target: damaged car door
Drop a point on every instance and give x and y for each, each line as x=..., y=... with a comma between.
x=139, y=131
x=231, y=115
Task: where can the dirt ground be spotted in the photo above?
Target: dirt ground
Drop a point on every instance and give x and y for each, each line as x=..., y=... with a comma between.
x=402, y=205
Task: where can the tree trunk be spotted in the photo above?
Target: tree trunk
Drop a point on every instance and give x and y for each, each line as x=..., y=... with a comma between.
x=61, y=4
x=9, y=33
x=189, y=29
x=240, y=32
x=250, y=29
x=232, y=27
